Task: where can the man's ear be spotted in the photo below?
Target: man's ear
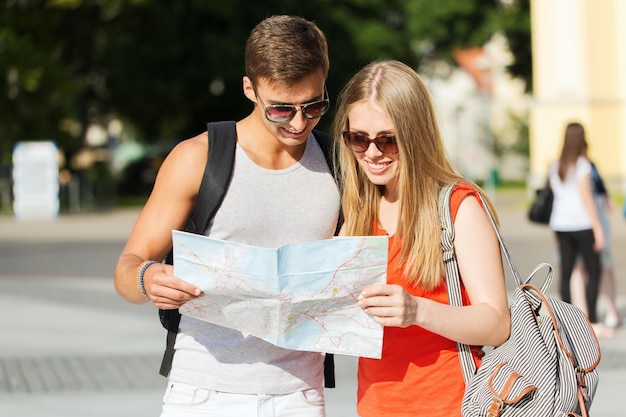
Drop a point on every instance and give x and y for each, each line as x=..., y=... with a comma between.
x=248, y=89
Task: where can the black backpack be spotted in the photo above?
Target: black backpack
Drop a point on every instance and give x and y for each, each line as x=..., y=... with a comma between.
x=215, y=182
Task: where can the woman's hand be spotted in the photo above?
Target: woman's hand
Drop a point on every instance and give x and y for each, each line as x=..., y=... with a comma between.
x=389, y=305
x=598, y=238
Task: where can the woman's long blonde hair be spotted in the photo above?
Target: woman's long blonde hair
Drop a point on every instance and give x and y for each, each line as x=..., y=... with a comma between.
x=424, y=166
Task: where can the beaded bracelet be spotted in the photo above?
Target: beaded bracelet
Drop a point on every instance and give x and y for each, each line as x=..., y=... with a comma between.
x=140, y=273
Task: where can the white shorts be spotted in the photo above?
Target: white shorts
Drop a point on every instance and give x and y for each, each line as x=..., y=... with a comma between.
x=183, y=400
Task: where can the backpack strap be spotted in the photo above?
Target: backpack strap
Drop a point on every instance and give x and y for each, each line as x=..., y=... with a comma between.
x=217, y=174
x=453, y=280
x=327, y=144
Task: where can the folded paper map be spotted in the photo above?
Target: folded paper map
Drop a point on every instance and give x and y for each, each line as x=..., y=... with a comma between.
x=300, y=296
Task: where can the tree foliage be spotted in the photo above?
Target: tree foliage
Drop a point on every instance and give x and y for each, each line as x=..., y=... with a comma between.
x=167, y=67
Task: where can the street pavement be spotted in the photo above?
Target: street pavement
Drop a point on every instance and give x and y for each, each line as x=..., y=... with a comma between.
x=70, y=346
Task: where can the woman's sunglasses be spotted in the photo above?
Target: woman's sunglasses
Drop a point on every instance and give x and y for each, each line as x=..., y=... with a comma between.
x=282, y=113
x=359, y=142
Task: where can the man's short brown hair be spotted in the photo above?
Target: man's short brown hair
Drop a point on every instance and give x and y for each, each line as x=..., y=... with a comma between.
x=286, y=49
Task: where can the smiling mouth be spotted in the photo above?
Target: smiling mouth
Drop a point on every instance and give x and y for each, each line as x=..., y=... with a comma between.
x=378, y=166
x=295, y=133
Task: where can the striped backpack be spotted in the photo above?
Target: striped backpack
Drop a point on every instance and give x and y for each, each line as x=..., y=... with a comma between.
x=547, y=367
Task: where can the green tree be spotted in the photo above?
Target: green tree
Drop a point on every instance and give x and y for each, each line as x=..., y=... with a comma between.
x=166, y=68
x=39, y=88
x=437, y=28
x=514, y=21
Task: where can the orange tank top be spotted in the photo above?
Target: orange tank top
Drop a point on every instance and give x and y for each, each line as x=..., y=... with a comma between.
x=419, y=373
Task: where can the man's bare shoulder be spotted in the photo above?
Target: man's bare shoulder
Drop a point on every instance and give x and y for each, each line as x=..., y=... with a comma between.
x=192, y=150
x=186, y=161
x=195, y=143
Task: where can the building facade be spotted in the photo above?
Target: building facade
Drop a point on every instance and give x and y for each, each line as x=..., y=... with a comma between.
x=579, y=73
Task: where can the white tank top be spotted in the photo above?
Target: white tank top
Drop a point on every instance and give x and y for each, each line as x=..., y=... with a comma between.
x=267, y=208
x=568, y=211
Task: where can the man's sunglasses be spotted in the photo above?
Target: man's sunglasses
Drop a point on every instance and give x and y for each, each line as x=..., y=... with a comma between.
x=282, y=113
x=359, y=142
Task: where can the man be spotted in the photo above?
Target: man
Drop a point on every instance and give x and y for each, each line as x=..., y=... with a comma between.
x=281, y=192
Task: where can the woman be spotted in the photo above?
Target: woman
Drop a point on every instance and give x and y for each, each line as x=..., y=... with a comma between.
x=574, y=218
x=393, y=165
x=607, y=276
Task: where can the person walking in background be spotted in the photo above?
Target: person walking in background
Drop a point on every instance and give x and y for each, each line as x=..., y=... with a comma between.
x=393, y=165
x=281, y=191
x=574, y=218
x=607, y=277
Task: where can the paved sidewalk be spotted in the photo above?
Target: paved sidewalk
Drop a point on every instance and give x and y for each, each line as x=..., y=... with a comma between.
x=69, y=346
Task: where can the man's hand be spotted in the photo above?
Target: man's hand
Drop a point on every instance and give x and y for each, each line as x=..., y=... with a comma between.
x=166, y=291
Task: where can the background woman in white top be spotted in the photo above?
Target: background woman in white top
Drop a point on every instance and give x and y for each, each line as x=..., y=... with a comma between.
x=574, y=217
